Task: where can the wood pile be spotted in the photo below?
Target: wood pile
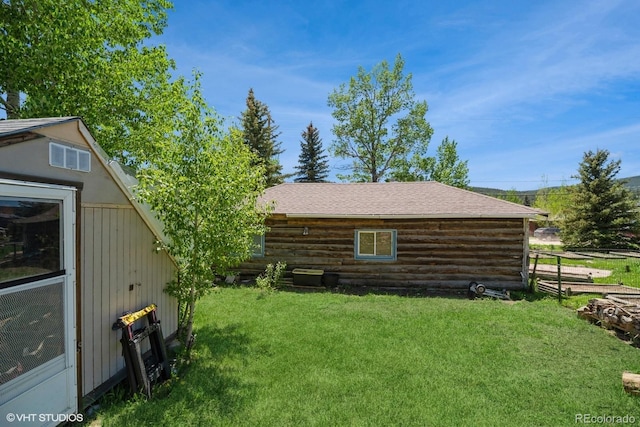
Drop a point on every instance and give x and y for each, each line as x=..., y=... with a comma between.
x=550, y=272
x=549, y=287
x=613, y=314
x=624, y=316
x=631, y=382
x=610, y=290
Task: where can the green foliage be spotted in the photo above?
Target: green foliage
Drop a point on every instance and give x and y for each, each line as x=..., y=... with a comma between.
x=554, y=200
x=379, y=123
x=260, y=134
x=510, y=196
x=603, y=213
x=312, y=162
x=203, y=186
x=271, y=279
x=446, y=167
x=91, y=59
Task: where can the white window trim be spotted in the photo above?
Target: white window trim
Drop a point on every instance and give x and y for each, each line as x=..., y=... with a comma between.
x=71, y=158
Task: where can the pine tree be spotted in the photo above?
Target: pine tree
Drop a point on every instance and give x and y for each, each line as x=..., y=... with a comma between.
x=261, y=134
x=313, y=165
x=604, y=213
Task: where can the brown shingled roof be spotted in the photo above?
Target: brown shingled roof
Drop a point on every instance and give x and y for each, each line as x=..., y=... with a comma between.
x=389, y=200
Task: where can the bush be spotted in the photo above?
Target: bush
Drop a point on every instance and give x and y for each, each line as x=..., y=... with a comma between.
x=271, y=279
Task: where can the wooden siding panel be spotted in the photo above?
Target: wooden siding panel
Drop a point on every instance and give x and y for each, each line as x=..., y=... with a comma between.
x=114, y=257
x=118, y=252
x=87, y=295
x=97, y=281
x=132, y=256
x=105, y=310
x=122, y=255
x=445, y=253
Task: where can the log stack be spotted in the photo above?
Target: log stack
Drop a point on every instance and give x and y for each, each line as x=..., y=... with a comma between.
x=613, y=314
x=631, y=382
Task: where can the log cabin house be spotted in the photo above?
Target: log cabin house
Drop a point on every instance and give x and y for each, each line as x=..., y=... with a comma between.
x=404, y=235
x=76, y=251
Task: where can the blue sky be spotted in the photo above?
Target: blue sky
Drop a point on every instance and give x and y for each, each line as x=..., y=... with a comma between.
x=524, y=87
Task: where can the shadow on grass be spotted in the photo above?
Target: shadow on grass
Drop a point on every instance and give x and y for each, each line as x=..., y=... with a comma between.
x=229, y=341
x=206, y=389
x=529, y=296
x=376, y=290
x=213, y=378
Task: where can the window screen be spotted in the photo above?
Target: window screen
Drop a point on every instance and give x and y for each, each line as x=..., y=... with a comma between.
x=30, y=238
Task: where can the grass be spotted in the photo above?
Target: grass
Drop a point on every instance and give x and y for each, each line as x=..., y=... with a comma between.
x=325, y=359
x=10, y=273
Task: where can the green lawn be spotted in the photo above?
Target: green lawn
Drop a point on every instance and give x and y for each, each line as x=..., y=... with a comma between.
x=338, y=360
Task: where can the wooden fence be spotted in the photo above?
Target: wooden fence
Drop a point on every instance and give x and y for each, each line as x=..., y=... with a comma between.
x=603, y=272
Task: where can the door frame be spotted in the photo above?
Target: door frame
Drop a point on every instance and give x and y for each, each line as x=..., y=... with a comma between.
x=67, y=196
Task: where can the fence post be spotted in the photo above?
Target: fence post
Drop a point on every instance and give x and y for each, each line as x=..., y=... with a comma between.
x=532, y=278
x=559, y=281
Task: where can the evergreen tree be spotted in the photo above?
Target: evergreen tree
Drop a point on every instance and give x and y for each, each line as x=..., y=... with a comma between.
x=261, y=134
x=604, y=213
x=313, y=165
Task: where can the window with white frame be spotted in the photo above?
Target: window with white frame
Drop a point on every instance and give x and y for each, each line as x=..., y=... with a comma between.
x=62, y=156
x=375, y=244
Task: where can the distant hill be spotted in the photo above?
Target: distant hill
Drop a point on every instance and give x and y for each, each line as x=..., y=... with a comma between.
x=633, y=183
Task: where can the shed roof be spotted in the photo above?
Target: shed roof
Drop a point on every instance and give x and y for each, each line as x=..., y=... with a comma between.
x=14, y=128
x=11, y=127
x=427, y=199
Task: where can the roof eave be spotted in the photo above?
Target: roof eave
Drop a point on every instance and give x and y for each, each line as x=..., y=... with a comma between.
x=44, y=124
x=126, y=184
x=432, y=216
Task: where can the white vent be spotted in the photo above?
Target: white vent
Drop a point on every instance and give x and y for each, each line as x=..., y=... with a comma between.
x=62, y=156
x=84, y=161
x=56, y=155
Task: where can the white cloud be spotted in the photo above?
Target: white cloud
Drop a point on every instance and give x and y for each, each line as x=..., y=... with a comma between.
x=519, y=89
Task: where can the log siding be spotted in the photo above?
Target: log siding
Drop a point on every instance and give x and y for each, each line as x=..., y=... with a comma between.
x=430, y=253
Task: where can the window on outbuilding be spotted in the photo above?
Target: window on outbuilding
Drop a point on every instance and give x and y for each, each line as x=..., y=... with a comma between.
x=72, y=158
x=375, y=244
x=30, y=239
x=258, y=246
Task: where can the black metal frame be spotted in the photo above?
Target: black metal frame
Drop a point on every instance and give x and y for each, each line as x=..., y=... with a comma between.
x=143, y=373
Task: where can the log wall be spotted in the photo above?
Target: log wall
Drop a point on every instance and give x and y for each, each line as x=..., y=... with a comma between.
x=431, y=253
